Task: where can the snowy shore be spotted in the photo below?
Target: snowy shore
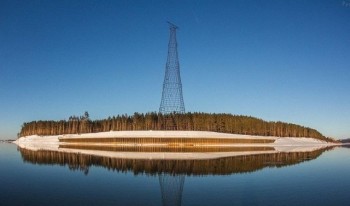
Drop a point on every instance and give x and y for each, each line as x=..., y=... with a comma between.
x=285, y=144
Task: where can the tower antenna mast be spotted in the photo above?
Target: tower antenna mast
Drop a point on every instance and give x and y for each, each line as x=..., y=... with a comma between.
x=172, y=25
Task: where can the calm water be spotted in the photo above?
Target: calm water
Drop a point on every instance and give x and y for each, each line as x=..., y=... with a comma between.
x=50, y=178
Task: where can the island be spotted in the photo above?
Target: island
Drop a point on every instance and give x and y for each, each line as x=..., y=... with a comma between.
x=170, y=136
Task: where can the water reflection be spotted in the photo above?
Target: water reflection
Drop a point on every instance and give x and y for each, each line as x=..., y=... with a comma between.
x=172, y=172
x=346, y=146
x=171, y=187
x=218, y=166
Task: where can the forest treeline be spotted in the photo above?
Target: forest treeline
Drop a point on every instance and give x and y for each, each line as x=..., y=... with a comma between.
x=226, y=123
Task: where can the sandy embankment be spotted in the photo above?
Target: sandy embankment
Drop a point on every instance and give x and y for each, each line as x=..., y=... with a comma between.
x=288, y=144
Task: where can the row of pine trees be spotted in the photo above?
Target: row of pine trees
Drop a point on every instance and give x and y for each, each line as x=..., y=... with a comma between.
x=226, y=123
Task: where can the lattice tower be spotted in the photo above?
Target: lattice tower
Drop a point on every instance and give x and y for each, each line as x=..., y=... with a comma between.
x=172, y=99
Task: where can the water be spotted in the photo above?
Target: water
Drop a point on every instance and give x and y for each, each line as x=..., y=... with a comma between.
x=51, y=178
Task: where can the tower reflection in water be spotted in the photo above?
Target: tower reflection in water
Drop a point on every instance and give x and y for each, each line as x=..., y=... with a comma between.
x=171, y=173
x=171, y=187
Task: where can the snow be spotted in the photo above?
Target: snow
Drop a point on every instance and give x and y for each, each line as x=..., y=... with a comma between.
x=287, y=144
x=36, y=142
x=297, y=141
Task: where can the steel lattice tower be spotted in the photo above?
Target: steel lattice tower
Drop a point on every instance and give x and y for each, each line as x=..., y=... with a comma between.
x=172, y=99
x=172, y=102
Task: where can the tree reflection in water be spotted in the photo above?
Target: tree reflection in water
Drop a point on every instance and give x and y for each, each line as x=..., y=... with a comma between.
x=218, y=166
x=171, y=173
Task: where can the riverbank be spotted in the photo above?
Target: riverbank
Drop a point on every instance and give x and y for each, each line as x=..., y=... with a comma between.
x=278, y=144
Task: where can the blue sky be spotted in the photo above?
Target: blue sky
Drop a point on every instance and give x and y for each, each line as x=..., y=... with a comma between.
x=276, y=60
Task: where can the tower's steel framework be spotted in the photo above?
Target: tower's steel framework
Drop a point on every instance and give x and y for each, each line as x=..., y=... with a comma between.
x=172, y=102
x=172, y=99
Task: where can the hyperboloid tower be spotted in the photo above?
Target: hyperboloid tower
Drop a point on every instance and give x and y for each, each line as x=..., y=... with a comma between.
x=172, y=99
x=172, y=102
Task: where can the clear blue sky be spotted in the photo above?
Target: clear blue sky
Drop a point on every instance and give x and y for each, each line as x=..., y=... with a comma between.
x=276, y=60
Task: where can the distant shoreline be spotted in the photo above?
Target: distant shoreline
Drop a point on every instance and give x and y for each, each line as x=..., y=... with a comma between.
x=7, y=141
